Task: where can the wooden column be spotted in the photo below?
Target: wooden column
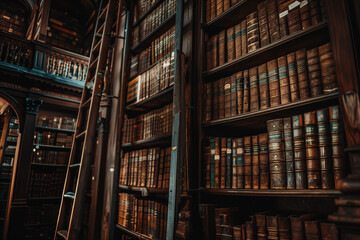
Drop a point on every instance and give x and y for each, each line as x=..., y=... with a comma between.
x=14, y=222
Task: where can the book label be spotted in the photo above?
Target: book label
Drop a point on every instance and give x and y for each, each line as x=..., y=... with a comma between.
x=283, y=14
x=303, y=3
x=294, y=5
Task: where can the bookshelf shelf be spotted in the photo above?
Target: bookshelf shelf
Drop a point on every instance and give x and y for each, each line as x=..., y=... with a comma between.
x=152, y=8
x=41, y=128
x=54, y=148
x=314, y=35
x=48, y=165
x=132, y=233
x=154, y=141
x=152, y=102
x=247, y=120
x=305, y=193
x=143, y=191
x=154, y=34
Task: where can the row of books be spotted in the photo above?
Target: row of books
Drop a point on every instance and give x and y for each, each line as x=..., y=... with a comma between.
x=41, y=214
x=50, y=157
x=14, y=54
x=155, y=80
x=13, y=21
x=44, y=183
x=146, y=168
x=270, y=225
x=300, y=152
x=216, y=7
x=143, y=216
x=154, y=20
x=298, y=75
x=53, y=139
x=142, y=6
x=66, y=68
x=47, y=120
x=160, y=47
x=262, y=27
x=154, y=123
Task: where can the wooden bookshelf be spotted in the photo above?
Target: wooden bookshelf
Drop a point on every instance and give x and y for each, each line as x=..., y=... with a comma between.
x=156, y=141
x=152, y=8
x=50, y=129
x=143, y=191
x=50, y=147
x=132, y=233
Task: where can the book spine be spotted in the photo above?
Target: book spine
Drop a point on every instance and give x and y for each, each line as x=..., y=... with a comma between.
x=252, y=32
x=209, y=101
x=264, y=161
x=312, y=151
x=293, y=79
x=243, y=37
x=216, y=102
x=233, y=99
x=226, y=5
x=327, y=65
x=312, y=230
x=221, y=98
x=315, y=11
x=227, y=97
x=247, y=162
x=302, y=74
x=217, y=162
x=240, y=164
x=283, y=17
x=305, y=14
x=283, y=80
x=230, y=44
x=212, y=162
x=254, y=89
x=223, y=161
x=272, y=19
x=272, y=226
x=255, y=162
x=228, y=177
x=299, y=152
x=239, y=91
x=233, y=163
x=221, y=52
x=207, y=164
x=246, y=101
x=213, y=8
x=329, y=231
x=313, y=64
x=263, y=24
x=274, y=87
x=237, y=39
x=263, y=87
x=219, y=7
x=289, y=153
x=293, y=18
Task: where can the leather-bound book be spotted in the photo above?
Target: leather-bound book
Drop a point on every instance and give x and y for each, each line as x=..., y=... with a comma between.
x=252, y=32
x=283, y=80
x=302, y=74
x=237, y=232
x=250, y=232
x=263, y=24
x=240, y=164
x=243, y=37
x=283, y=17
x=324, y=15
x=230, y=44
x=305, y=15
x=315, y=11
x=261, y=232
x=209, y=60
x=329, y=231
x=284, y=227
x=209, y=100
x=313, y=64
x=246, y=100
x=293, y=79
x=233, y=100
x=312, y=150
x=219, y=7
x=221, y=51
x=216, y=103
x=228, y=163
x=239, y=91
x=326, y=166
x=272, y=19
x=263, y=87
x=223, y=163
x=274, y=87
x=221, y=98
x=293, y=18
x=254, y=89
x=327, y=66
x=299, y=152
x=276, y=154
x=226, y=5
x=217, y=162
x=247, y=162
x=336, y=145
x=213, y=8
x=312, y=230
x=243, y=231
x=264, y=170
x=233, y=162
x=208, y=11
x=160, y=182
x=297, y=225
x=206, y=163
x=255, y=162
x=214, y=50
x=227, y=102
x=237, y=39
x=212, y=162
x=272, y=226
x=289, y=153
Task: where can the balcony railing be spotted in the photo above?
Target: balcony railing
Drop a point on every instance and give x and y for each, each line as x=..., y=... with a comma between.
x=42, y=60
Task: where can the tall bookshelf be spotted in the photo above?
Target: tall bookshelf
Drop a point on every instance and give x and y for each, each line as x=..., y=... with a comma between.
x=239, y=159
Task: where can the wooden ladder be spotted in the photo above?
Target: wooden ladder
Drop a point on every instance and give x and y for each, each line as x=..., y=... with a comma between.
x=69, y=220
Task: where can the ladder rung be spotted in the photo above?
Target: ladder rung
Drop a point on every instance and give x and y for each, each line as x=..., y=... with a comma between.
x=98, y=35
x=102, y=14
x=97, y=47
x=69, y=195
x=63, y=233
x=99, y=31
x=87, y=102
x=75, y=165
x=80, y=135
x=93, y=63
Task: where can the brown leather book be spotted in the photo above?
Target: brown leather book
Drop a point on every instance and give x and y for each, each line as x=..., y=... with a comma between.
x=305, y=15
x=283, y=17
x=221, y=51
x=239, y=91
x=240, y=164
x=233, y=162
x=209, y=100
x=208, y=11
x=272, y=226
x=313, y=64
x=273, y=19
x=243, y=37
x=252, y=32
x=293, y=18
x=336, y=145
x=213, y=8
x=221, y=98
x=274, y=87
x=216, y=101
x=209, y=60
x=302, y=74
x=327, y=66
x=247, y=162
x=261, y=232
x=299, y=152
x=255, y=162
x=264, y=170
x=263, y=24
x=254, y=89
x=223, y=163
x=263, y=87
x=326, y=166
x=237, y=232
x=219, y=7
x=228, y=176
x=246, y=101
x=315, y=11
x=283, y=80
x=293, y=79
x=324, y=15
x=312, y=150
x=233, y=93
x=214, y=48
x=226, y=5
x=276, y=154
x=227, y=102
x=329, y=231
x=230, y=42
x=284, y=227
x=250, y=232
x=289, y=153
x=312, y=230
x=237, y=39
x=206, y=163
x=297, y=225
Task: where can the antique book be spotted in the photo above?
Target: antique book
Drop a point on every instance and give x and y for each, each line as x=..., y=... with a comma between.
x=254, y=89
x=312, y=150
x=312, y=230
x=272, y=226
x=226, y=5
x=228, y=163
x=329, y=231
x=302, y=74
x=247, y=162
x=239, y=91
x=289, y=153
x=227, y=101
x=284, y=227
x=276, y=154
x=237, y=39
x=263, y=87
x=293, y=79
x=213, y=8
x=315, y=11
x=216, y=100
x=217, y=162
x=230, y=44
x=233, y=93
x=327, y=65
x=221, y=49
x=274, y=87
x=283, y=17
x=212, y=162
x=208, y=11
x=255, y=162
x=221, y=98
x=214, y=48
x=209, y=97
x=263, y=24
x=206, y=163
x=233, y=162
x=223, y=163
x=261, y=232
x=240, y=164
x=313, y=64
x=250, y=232
x=246, y=100
x=297, y=225
x=283, y=80
x=219, y=7
x=243, y=37
x=272, y=19
x=252, y=32
x=304, y=15
x=293, y=18
x=264, y=170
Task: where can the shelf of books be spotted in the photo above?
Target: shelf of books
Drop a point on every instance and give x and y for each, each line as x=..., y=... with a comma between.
x=146, y=135
x=13, y=18
x=271, y=122
x=51, y=148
